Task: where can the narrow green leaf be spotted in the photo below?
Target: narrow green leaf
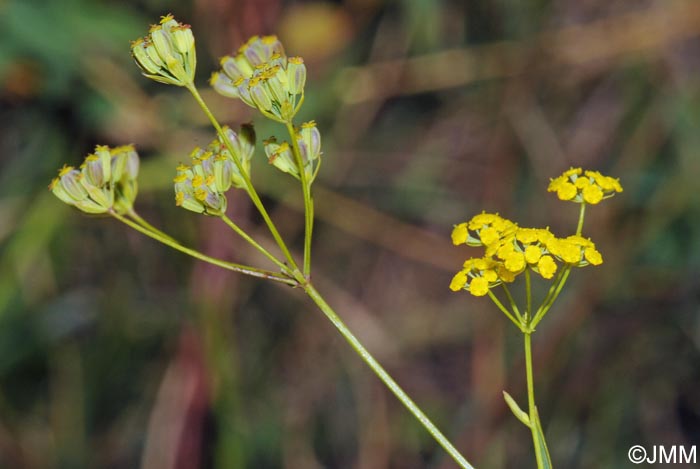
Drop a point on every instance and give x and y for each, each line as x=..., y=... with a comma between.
x=542, y=443
x=517, y=411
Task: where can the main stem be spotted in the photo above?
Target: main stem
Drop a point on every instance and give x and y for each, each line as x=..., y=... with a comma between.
x=308, y=203
x=384, y=376
x=532, y=409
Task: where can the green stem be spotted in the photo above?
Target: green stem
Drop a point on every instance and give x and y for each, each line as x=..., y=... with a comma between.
x=308, y=202
x=528, y=293
x=551, y=291
x=512, y=302
x=558, y=285
x=137, y=218
x=254, y=197
x=504, y=310
x=384, y=376
x=254, y=243
x=532, y=409
x=243, y=269
x=581, y=215
x=550, y=301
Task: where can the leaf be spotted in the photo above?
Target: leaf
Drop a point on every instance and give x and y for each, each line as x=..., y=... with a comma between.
x=517, y=411
x=541, y=443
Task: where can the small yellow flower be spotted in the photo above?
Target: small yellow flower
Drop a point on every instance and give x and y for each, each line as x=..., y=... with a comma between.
x=584, y=187
x=479, y=286
x=505, y=275
x=532, y=254
x=515, y=262
x=458, y=281
x=459, y=234
x=546, y=267
x=566, y=191
x=592, y=194
x=489, y=235
x=477, y=276
x=593, y=256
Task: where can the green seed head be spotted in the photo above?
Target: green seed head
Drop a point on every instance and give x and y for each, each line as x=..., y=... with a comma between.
x=167, y=54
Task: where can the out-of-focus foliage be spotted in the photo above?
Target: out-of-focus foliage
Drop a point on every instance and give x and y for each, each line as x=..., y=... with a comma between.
x=117, y=353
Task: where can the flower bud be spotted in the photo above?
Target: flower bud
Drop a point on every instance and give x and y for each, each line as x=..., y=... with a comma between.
x=310, y=137
x=94, y=169
x=68, y=187
x=223, y=85
x=259, y=94
x=224, y=173
x=243, y=142
x=125, y=170
x=276, y=81
x=236, y=67
x=281, y=156
x=151, y=66
x=296, y=75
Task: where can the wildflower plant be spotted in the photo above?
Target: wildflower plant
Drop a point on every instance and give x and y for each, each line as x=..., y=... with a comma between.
x=511, y=252
x=262, y=76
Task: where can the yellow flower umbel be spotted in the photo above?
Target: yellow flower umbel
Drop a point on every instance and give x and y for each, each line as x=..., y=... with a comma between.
x=578, y=186
x=478, y=275
x=576, y=251
x=263, y=77
x=105, y=181
x=483, y=229
x=510, y=250
x=167, y=54
x=527, y=248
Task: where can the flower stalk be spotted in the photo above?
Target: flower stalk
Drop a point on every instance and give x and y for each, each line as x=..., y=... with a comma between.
x=168, y=241
x=308, y=202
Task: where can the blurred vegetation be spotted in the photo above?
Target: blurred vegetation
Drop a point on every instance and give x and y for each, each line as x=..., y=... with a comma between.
x=118, y=353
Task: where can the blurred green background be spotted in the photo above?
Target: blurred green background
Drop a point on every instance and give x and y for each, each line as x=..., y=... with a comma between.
x=116, y=352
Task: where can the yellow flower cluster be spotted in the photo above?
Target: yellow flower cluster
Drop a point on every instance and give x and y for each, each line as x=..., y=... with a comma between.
x=584, y=187
x=510, y=249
